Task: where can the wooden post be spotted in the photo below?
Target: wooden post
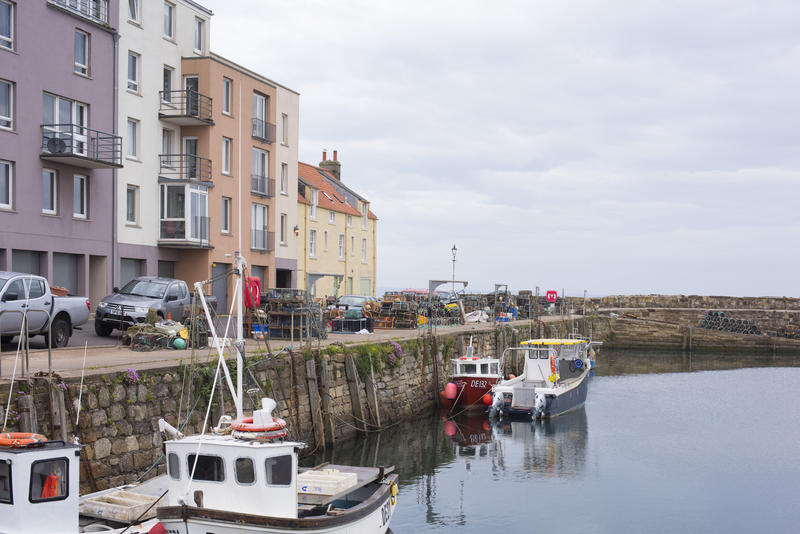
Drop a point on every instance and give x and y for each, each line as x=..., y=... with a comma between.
x=325, y=391
x=313, y=399
x=435, y=361
x=355, y=390
x=27, y=414
x=372, y=395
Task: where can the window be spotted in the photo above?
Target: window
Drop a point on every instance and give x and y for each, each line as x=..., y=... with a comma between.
x=349, y=221
x=166, y=141
x=198, y=35
x=81, y=53
x=133, y=10
x=209, y=468
x=5, y=483
x=227, y=86
x=79, y=196
x=133, y=127
x=314, y=200
x=312, y=243
x=363, y=215
x=364, y=251
x=169, y=20
x=166, y=85
x=260, y=127
x=341, y=246
x=226, y=155
x=325, y=240
x=133, y=72
x=174, y=466
x=6, y=25
x=6, y=185
x=279, y=470
x=260, y=169
x=284, y=228
x=331, y=217
x=284, y=128
x=49, y=192
x=6, y=105
x=352, y=245
x=245, y=472
x=259, y=227
x=226, y=215
x=284, y=178
x=49, y=480
x=131, y=202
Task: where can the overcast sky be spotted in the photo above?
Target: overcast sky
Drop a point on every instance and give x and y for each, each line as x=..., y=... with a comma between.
x=617, y=146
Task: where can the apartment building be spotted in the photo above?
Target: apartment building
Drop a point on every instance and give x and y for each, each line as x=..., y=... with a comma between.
x=339, y=249
x=58, y=149
x=252, y=140
x=162, y=191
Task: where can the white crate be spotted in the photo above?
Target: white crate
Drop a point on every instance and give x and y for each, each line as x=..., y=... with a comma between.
x=325, y=481
x=120, y=505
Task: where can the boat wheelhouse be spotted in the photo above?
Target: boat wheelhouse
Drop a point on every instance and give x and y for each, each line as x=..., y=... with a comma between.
x=554, y=379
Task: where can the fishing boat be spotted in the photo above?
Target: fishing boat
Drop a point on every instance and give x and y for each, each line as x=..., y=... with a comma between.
x=554, y=379
x=473, y=378
x=244, y=477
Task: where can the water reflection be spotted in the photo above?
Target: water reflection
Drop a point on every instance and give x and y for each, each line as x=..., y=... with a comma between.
x=626, y=362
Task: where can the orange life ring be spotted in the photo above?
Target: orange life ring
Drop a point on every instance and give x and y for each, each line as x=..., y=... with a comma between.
x=245, y=424
x=261, y=436
x=20, y=439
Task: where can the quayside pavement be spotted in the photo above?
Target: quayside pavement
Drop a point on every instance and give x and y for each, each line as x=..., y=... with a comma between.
x=68, y=361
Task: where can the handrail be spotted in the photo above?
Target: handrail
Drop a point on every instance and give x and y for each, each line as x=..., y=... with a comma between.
x=263, y=130
x=77, y=140
x=263, y=185
x=94, y=10
x=185, y=167
x=185, y=103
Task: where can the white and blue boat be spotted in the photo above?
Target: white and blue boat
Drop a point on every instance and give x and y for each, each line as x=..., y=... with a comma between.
x=554, y=380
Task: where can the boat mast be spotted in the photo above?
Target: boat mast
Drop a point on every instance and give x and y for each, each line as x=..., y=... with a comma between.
x=239, y=263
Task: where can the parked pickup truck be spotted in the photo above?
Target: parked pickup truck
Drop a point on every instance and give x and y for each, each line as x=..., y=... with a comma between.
x=30, y=294
x=170, y=298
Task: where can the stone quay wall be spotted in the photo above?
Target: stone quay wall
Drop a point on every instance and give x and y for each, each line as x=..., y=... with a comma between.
x=686, y=301
x=325, y=396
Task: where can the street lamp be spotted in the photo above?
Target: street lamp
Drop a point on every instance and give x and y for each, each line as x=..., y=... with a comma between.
x=454, y=250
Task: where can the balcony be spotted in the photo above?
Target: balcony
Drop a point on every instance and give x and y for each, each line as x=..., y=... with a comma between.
x=191, y=232
x=263, y=130
x=93, y=10
x=185, y=167
x=185, y=108
x=261, y=185
x=80, y=146
x=262, y=240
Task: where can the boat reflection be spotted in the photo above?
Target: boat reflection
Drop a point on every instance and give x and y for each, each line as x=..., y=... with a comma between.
x=628, y=362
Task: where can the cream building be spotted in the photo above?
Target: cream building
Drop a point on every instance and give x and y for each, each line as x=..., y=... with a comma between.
x=339, y=233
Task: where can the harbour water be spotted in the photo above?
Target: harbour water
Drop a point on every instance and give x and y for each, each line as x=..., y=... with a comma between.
x=666, y=443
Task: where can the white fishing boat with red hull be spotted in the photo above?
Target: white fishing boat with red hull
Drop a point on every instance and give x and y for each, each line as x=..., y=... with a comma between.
x=473, y=379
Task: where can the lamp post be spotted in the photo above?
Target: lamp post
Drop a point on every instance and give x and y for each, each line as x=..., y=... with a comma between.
x=454, y=250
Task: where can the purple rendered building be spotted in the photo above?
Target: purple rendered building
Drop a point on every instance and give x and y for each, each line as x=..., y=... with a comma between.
x=58, y=150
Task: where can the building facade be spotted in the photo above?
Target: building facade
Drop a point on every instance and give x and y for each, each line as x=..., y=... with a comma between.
x=58, y=149
x=161, y=109
x=339, y=246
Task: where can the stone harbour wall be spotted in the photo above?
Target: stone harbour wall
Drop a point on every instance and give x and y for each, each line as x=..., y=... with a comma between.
x=687, y=301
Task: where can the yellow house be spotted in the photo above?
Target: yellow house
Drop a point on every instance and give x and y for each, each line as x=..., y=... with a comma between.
x=337, y=233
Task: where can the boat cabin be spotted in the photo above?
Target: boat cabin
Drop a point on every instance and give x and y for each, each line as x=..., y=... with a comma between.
x=539, y=351
x=474, y=367
x=235, y=475
x=39, y=488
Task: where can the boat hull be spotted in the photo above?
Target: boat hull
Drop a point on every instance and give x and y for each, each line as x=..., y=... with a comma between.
x=370, y=516
x=558, y=404
x=471, y=391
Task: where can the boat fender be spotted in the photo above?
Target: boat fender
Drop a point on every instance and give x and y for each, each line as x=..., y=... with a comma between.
x=578, y=364
x=539, y=404
x=158, y=528
x=487, y=399
x=450, y=428
x=512, y=377
x=395, y=490
x=450, y=391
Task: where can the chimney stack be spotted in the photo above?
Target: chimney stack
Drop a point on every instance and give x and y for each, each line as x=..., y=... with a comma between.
x=333, y=167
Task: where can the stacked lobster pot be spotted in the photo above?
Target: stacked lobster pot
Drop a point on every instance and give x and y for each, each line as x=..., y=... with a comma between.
x=717, y=320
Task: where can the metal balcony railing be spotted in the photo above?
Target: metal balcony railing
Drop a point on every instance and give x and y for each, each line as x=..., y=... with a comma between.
x=185, y=104
x=185, y=167
x=94, y=10
x=176, y=229
x=92, y=147
x=262, y=240
x=263, y=130
x=262, y=185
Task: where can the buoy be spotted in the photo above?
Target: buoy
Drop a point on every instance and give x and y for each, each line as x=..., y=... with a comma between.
x=158, y=528
x=487, y=399
x=179, y=343
x=450, y=391
x=450, y=428
x=486, y=426
x=578, y=364
x=512, y=377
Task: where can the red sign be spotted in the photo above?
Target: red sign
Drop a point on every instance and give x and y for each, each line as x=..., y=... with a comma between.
x=551, y=296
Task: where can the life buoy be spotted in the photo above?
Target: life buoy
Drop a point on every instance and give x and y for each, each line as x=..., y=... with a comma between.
x=252, y=292
x=261, y=436
x=245, y=424
x=20, y=439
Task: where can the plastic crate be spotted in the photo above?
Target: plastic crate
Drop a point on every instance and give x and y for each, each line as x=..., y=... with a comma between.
x=325, y=481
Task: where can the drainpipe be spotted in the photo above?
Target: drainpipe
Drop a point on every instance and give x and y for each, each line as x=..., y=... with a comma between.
x=114, y=170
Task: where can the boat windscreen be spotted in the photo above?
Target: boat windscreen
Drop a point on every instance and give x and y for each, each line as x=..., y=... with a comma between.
x=469, y=368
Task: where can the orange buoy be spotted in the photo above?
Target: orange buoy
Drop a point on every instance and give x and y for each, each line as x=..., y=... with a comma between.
x=512, y=377
x=450, y=391
x=20, y=439
x=158, y=528
x=487, y=399
x=245, y=424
